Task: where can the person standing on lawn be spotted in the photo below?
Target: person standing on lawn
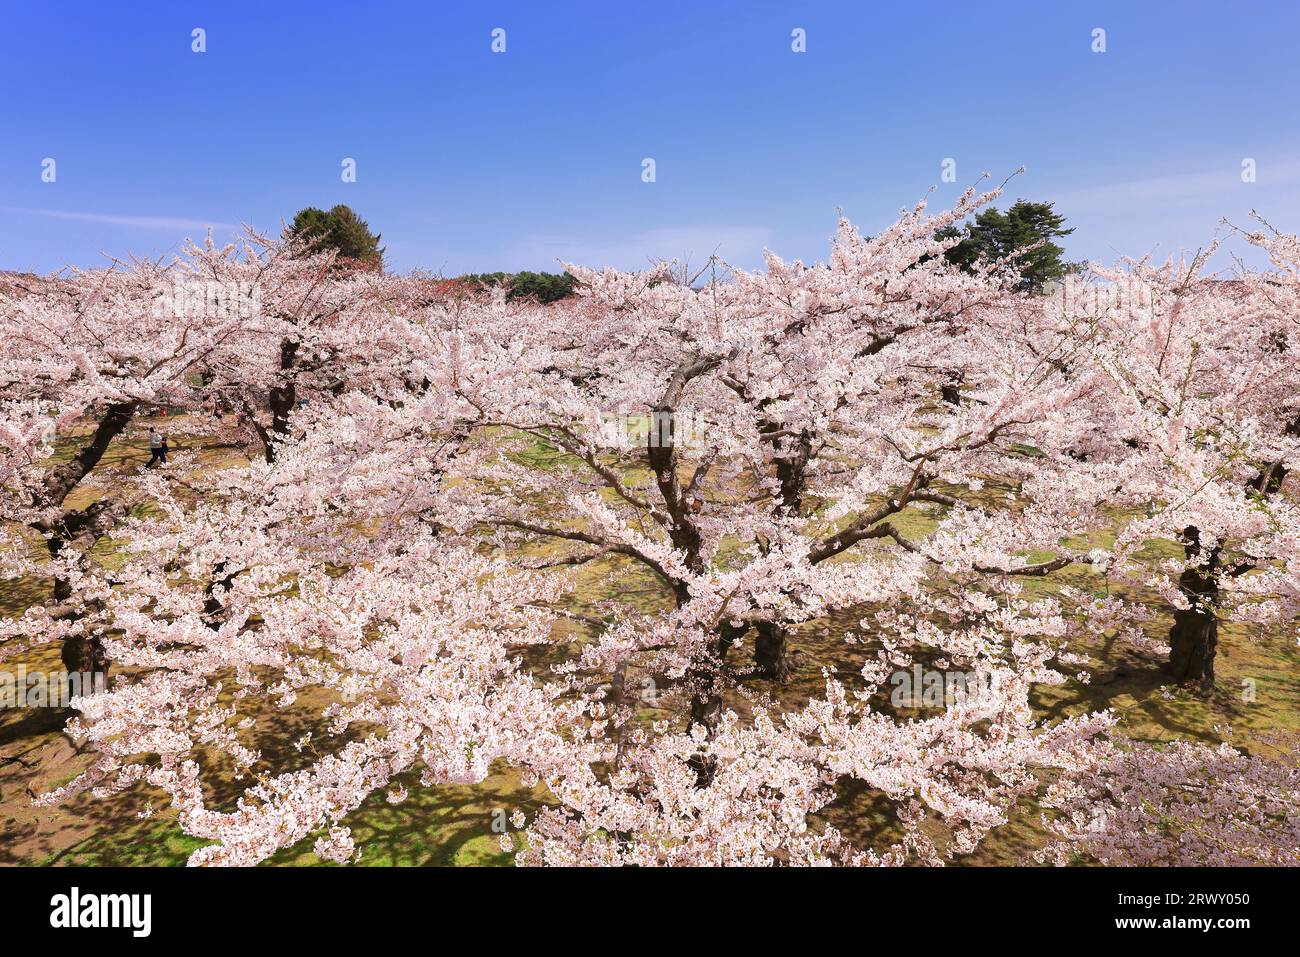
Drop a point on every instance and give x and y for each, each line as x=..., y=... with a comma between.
x=157, y=448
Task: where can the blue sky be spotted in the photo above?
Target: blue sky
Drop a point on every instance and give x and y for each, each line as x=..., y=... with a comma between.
x=470, y=161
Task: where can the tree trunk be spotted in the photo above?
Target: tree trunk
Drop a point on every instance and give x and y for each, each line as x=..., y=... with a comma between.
x=706, y=698
x=1194, y=637
x=661, y=453
x=85, y=655
x=81, y=654
x=212, y=606
x=81, y=528
x=282, y=398
x=62, y=479
x=950, y=391
x=1192, y=643
x=791, y=467
x=770, y=652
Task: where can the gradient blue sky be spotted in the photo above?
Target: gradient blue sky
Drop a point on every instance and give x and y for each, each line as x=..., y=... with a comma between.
x=469, y=160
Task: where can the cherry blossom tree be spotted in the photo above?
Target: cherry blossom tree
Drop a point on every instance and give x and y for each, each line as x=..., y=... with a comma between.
x=232, y=328
x=92, y=349
x=737, y=458
x=1203, y=381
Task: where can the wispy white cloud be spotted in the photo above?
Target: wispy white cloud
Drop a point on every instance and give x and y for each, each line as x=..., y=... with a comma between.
x=1172, y=187
x=137, y=222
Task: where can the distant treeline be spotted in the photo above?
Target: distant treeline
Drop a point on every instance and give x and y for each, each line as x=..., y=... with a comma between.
x=542, y=286
x=1022, y=238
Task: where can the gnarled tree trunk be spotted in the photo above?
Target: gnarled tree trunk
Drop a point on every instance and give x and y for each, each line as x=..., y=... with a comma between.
x=282, y=399
x=770, y=652
x=706, y=697
x=1194, y=637
x=81, y=528
x=950, y=386
x=85, y=655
